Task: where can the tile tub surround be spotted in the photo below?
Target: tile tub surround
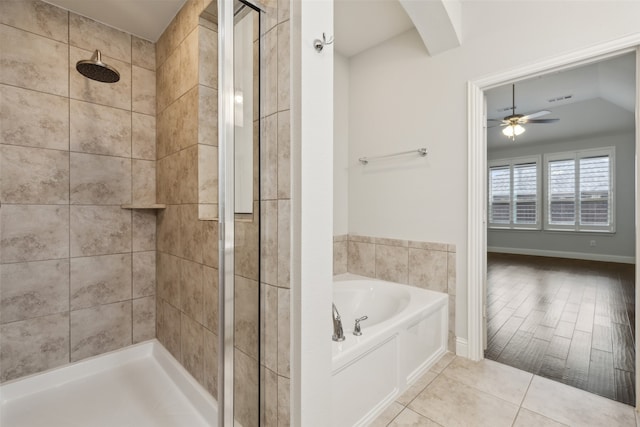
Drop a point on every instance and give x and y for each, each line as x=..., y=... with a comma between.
x=72, y=151
x=457, y=391
x=425, y=265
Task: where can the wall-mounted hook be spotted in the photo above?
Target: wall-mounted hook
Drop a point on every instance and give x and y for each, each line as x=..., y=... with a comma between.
x=320, y=44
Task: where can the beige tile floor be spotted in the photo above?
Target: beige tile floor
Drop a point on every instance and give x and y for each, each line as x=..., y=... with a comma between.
x=459, y=392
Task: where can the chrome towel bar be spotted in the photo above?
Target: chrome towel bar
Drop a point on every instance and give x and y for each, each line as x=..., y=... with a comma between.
x=422, y=152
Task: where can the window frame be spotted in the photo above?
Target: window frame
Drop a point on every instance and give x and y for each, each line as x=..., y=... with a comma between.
x=510, y=163
x=576, y=156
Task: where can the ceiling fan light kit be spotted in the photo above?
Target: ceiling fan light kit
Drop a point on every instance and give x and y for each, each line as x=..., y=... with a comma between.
x=513, y=130
x=513, y=123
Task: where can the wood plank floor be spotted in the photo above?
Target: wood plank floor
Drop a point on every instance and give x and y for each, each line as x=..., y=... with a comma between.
x=571, y=321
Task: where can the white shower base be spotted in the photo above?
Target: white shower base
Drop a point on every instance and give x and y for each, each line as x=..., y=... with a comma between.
x=139, y=386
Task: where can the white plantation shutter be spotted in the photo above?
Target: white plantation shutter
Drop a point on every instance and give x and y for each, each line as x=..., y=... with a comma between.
x=580, y=190
x=525, y=193
x=514, y=193
x=499, y=194
x=595, y=189
x=562, y=192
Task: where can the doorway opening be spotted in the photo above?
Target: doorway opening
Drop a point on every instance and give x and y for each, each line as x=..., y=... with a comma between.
x=560, y=237
x=479, y=211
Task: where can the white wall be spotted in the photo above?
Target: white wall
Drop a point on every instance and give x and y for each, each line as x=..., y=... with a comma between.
x=340, y=145
x=402, y=99
x=620, y=245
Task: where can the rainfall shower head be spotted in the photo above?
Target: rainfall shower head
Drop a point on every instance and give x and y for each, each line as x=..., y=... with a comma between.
x=95, y=69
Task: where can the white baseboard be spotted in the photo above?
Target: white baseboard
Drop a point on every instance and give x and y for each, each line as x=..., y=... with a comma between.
x=461, y=347
x=562, y=254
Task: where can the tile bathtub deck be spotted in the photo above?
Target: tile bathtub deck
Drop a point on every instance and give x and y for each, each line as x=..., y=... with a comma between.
x=459, y=392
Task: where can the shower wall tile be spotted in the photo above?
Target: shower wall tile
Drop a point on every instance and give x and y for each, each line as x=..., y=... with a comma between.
x=192, y=336
x=247, y=246
x=144, y=319
x=167, y=179
x=208, y=61
x=100, y=280
x=33, y=345
x=143, y=53
x=170, y=336
x=33, y=62
x=188, y=175
x=284, y=155
x=284, y=404
x=269, y=242
x=46, y=110
x=189, y=61
x=191, y=290
x=269, y=157
x=33, y=289
x=169, y=278
x=270, y=16
x=284, y=243
x=178, y=125
x=269, y=327
x=100, y=329
x=36, y=17
x=284, y=64
x=143, y=136
x=33, y=119
x=284, y=332
x=428, y=269
x=99, y=129
x=208, y=108
x=144, y=230
x=114, y=95
x=191, y=232
x=144, y=274
x=361, y=258
x=268, y=398
x=100, y=230
x=391, y=242
x=144, y=90
x=247, y=301
x=210, y=298
x=90, y=35
x=210, y=243
x=33, y=175
x=100, y=180
x=246, y=390
x=33, y=232
x=339, y=257
x=211, y=363
x=269, y=73
x=207, y=174
x=143, y=181
x=283, y=10
x=392, y=263
x=169, y=237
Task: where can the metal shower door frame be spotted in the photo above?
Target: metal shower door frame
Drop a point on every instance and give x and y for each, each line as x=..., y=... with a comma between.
x=226, y=208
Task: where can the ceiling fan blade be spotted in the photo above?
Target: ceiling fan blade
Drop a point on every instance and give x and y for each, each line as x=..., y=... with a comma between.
x=542, y=121
x=495, y=120
x=537, y=114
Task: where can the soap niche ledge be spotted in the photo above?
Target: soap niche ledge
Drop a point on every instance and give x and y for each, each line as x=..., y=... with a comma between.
x=156, y=206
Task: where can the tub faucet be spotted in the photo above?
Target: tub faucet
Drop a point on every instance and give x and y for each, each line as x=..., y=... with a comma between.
x=338, y=334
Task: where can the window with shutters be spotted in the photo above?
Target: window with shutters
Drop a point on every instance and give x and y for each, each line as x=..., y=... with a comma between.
x=514, y=193
x=580, y=190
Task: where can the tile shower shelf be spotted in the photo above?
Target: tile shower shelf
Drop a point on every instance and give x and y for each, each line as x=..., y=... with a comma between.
x=144, y=206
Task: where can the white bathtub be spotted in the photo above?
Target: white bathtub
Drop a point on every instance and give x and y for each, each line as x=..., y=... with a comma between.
x=405, y=333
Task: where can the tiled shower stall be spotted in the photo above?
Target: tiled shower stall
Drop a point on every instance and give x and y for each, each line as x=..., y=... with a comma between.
x=78, y=273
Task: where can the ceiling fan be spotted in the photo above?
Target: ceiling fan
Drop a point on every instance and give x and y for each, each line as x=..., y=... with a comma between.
x=515, y=121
